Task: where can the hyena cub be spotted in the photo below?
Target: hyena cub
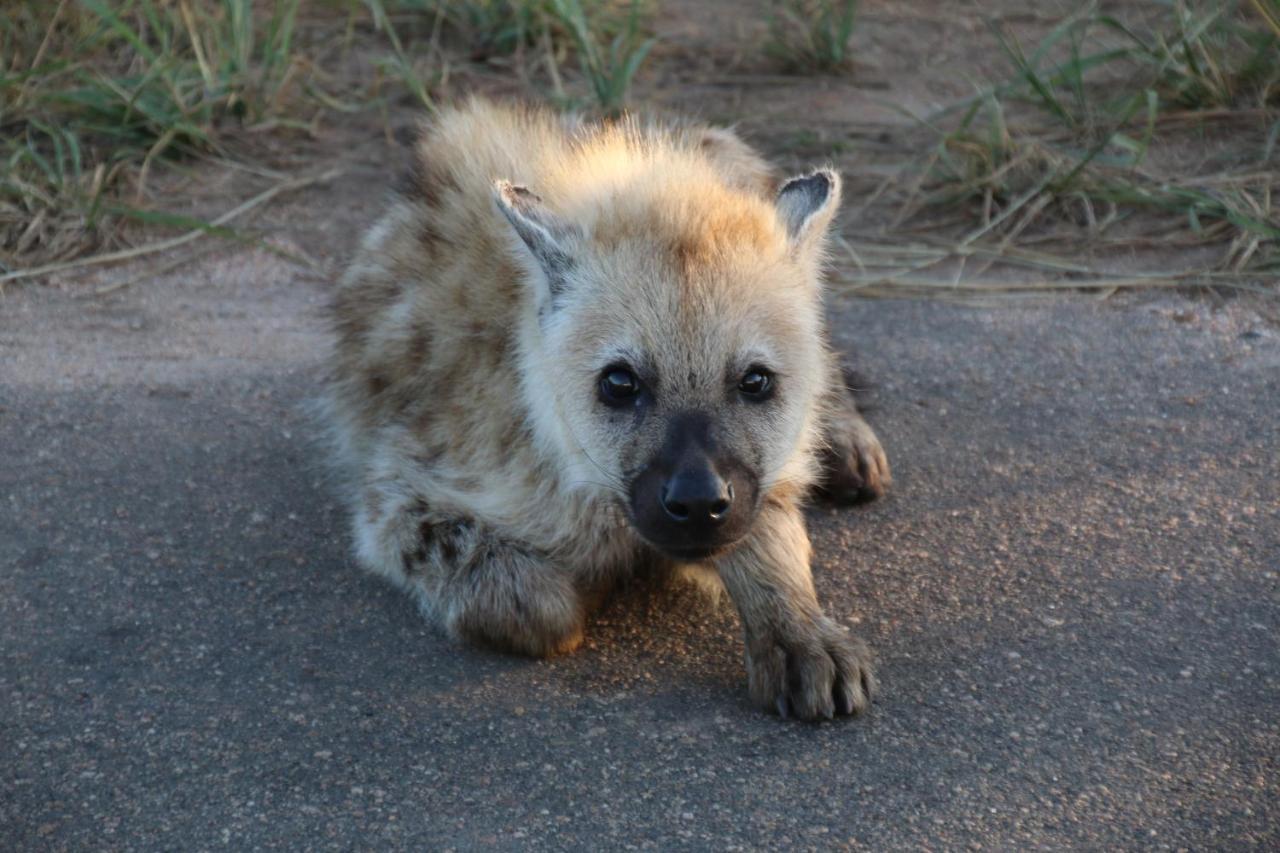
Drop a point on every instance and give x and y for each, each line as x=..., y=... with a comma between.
x=571, y=348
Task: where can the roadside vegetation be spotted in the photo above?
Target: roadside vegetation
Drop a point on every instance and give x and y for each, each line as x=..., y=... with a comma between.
x=97, y=98
x=1093, y=144
x=813, y=35
x=1090, y=141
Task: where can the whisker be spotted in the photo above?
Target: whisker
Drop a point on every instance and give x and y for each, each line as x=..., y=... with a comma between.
x=612, y=483
x=617, y=483
x=614, y=490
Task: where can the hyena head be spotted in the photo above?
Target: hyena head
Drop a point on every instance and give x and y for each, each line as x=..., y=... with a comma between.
x=673, y=350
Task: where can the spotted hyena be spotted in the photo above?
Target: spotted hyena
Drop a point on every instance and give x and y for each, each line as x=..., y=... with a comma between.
x=569, y=349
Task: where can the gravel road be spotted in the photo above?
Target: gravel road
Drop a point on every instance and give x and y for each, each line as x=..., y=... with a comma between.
x=1073, y=592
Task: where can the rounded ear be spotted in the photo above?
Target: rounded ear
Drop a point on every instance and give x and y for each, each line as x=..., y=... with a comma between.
x=806, y=205
x=737, y=161
x=545, y=242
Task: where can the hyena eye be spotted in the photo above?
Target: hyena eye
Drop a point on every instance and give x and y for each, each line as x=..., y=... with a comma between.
x=756, y=384
x=618, y=385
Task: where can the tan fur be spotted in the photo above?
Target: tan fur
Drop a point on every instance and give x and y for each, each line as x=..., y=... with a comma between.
x=483, y=477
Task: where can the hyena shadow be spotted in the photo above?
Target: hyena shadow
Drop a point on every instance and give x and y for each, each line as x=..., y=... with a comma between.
x=654, y=635
x=665, y=636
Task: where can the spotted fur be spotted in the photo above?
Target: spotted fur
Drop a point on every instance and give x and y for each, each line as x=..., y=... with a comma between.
x=521, y=253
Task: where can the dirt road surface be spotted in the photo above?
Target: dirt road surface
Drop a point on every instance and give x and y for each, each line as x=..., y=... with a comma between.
x=1073, y=592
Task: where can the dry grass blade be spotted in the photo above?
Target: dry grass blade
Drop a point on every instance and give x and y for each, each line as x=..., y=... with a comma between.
x=99, y=100
x=889, y=287
x=1067, y=151
x=173, y=242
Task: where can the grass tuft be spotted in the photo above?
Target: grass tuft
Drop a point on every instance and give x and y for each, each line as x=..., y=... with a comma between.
x=606, y=36
x=610, y=68
x=813, y=35
x=97, y=96
x=94, y=95
x=1209, y=56
x=1094, y=102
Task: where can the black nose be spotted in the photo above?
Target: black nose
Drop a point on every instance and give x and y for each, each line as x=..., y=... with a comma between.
x=697, y=497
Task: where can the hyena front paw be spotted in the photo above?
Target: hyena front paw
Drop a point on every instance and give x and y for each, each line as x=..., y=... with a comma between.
x=855, y=467
x=516, y=603
x=820, y=674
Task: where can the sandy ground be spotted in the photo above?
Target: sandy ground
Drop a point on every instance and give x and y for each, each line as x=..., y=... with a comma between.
x=1073, y=591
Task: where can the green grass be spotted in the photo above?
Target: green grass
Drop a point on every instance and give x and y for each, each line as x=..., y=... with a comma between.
x=1074, y=131
x=608, y=67
x=1210, y=55
x=94, y=95
x=490, y=27
x=500, y=28
x=606, y=36
x=813, y=35
x=400, y=63
x=99, y=97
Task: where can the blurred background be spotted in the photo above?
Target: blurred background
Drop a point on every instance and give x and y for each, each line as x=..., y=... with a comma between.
x=996, y=147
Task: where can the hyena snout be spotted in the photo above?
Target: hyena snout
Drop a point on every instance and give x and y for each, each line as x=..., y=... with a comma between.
x=693, y=499
x=697, y=496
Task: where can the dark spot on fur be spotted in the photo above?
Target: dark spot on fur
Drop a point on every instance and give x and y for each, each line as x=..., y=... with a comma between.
x=405, y=184
x=684, y=250
x=430, y=237
x=426, y=535
x=413, y=560
x=419, y=346
x=449, y=546
x=404, y=404
x=512, y=434
x=348, y=316
x=376, y=384
x=427, y=181
x=477, y=557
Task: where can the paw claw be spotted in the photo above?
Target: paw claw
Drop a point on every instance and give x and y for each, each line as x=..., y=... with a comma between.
x=845, y=702
x=817, y=677
x=856, y=467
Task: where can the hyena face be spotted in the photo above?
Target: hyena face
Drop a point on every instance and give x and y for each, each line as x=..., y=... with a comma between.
x=676, y=359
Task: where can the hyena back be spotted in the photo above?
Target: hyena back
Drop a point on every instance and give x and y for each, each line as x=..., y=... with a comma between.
x=620, y=359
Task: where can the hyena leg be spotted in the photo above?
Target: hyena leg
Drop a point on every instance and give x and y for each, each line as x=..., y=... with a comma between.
x=799, y=662
x=477, y=586
x=855, y=468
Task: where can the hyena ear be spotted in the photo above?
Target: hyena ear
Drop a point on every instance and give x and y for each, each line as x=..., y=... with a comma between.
x=806, y=205
x=547, y=239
